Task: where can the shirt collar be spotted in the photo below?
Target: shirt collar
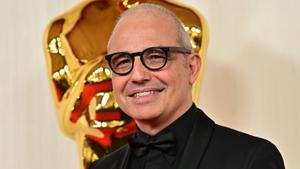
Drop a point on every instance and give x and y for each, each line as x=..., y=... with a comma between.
x=180, y=128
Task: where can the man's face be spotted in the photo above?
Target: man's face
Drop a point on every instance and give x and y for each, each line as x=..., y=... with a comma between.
x=157, y=96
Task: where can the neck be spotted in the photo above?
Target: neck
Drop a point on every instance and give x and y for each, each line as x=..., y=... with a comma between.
x=154, y=126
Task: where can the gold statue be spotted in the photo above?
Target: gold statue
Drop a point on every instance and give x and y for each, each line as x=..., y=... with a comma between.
x=80, y=79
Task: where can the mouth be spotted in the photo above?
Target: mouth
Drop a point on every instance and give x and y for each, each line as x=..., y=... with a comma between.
x=145, y=93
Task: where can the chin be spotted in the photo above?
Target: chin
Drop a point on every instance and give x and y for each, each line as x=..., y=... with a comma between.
x=143, y=114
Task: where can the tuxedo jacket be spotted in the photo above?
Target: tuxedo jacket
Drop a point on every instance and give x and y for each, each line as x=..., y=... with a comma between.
x=211, y=146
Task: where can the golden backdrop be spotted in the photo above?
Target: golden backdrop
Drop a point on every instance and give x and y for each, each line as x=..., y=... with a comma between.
x=80, y=80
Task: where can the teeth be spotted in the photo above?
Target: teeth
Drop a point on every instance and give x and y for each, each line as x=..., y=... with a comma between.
x=145, y=93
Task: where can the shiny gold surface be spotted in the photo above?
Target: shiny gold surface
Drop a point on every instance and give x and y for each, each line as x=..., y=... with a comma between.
x=195, y=36
x=80, y=79
x=126, y=3
x=62, y=78
x=55, y=46
x=106, y=101
x=100, y=74
x=110, y=124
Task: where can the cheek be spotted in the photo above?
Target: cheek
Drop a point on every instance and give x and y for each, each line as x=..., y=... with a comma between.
x=178, y=74
x=118, y=84
x=180, y=80
x=170, y=77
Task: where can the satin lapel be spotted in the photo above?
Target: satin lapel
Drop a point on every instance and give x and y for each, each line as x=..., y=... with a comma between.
x=197, y=142
x=124, y=160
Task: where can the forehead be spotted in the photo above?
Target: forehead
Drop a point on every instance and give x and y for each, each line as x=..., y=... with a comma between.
x=139, y=31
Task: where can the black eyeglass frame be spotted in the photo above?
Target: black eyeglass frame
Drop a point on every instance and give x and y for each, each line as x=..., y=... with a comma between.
x=165, y=49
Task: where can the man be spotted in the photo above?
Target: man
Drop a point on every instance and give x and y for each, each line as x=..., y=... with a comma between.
x=154, y=69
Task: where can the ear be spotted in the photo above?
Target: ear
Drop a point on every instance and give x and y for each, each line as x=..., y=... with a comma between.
x=194, y=67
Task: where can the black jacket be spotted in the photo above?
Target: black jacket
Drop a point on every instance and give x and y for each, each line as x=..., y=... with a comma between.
x=211, y=146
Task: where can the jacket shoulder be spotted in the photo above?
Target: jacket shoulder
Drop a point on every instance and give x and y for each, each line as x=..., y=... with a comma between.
x=230, y=137
x=112, y=160
x=236, y=149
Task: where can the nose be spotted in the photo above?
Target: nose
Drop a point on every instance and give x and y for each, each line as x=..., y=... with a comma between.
x=140, y=74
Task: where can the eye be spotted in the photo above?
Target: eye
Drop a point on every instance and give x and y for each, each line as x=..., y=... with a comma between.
x=154, y=56
x=121, y=60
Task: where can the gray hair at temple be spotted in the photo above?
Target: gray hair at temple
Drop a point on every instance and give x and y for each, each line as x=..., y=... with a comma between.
x=182, y=38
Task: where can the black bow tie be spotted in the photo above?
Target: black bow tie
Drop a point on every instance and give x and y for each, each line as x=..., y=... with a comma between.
x=165, y=143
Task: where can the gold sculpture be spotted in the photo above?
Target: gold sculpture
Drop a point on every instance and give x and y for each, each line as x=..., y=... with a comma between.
x=80, y=79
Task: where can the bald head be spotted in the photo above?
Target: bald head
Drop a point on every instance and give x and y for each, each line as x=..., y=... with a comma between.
x=146, y=11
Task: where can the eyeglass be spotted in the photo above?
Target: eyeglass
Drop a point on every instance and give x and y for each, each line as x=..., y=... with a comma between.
x=153, y=58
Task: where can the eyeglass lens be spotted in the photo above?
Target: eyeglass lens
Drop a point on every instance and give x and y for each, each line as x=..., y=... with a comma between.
x=153, y=58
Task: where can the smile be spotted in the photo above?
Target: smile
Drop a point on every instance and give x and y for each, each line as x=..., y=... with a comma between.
x=144, y=93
